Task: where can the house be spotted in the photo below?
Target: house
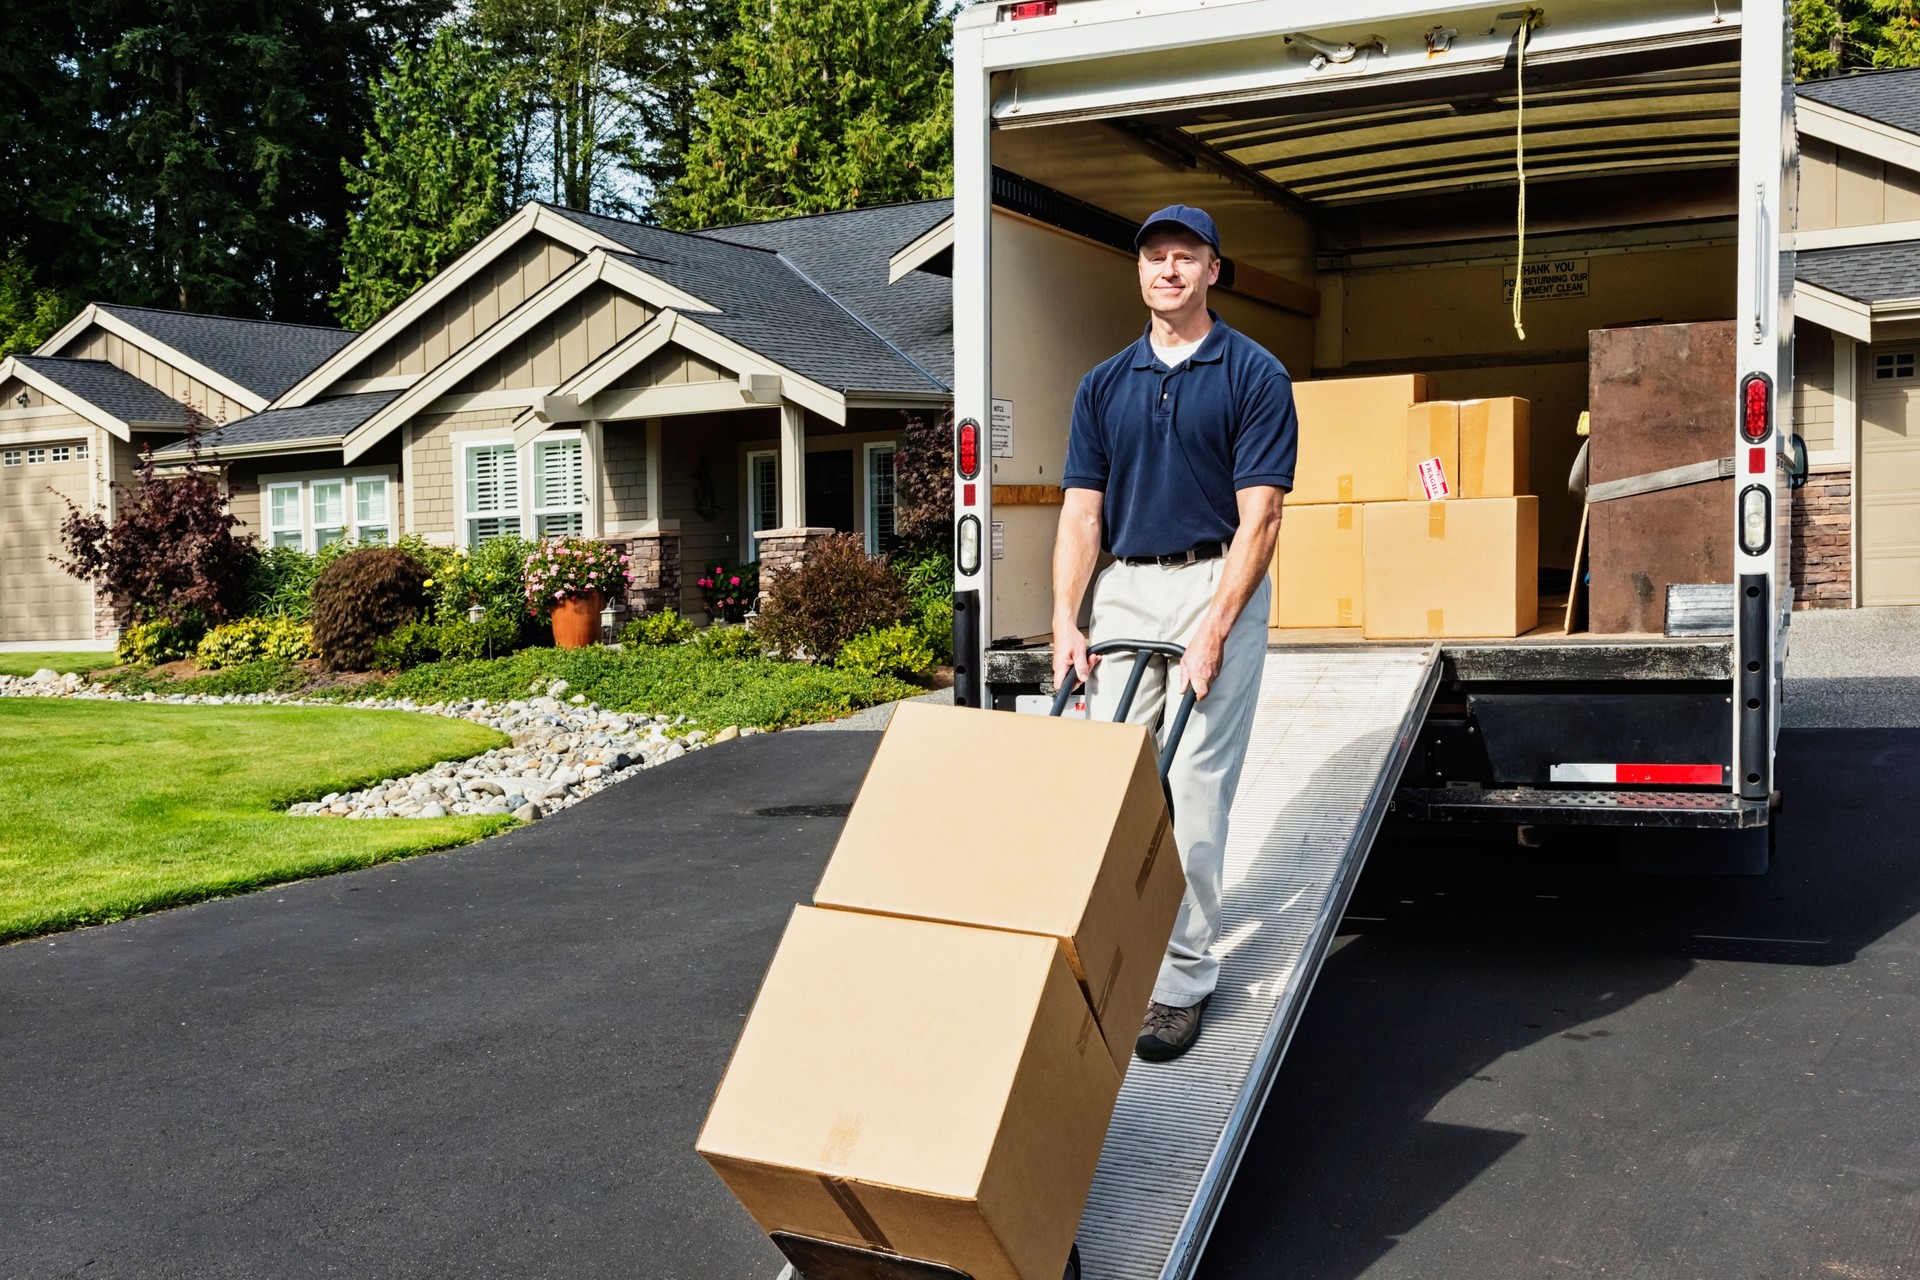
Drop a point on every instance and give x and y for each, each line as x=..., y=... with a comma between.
x=1857, y=341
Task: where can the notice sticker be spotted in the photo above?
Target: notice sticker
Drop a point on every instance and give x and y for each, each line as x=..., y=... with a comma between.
x=1548, y=279
x=1002, y=428
x=1433, y=478
x=999, y=539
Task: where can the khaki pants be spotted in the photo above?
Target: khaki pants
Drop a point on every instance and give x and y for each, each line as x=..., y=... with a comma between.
x=1152, y=602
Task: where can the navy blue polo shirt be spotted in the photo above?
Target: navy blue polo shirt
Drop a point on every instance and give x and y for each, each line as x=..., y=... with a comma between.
x=1170, y=447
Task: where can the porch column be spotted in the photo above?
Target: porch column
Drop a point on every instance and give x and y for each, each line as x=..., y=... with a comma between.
x=793, y=465
x=655, y=502
x=1846, y=438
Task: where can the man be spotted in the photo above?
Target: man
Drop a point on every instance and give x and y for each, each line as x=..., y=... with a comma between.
x=1181, y=451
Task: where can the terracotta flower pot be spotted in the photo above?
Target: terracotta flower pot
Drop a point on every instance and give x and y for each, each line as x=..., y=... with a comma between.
x=576, y=620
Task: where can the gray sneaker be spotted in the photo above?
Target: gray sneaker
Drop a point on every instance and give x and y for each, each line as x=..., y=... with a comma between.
x=1168, y=1031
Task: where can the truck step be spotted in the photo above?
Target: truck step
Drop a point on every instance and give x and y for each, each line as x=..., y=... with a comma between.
x=1566, y=806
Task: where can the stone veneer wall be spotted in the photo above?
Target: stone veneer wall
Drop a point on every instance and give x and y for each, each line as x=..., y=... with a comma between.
x=654, y=560
x=1823, y=540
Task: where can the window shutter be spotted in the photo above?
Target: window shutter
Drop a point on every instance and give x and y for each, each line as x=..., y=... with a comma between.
x=558, y=474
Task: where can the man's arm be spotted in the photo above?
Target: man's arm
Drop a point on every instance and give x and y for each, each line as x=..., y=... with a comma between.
x=1248, y=561
x=1076, y=548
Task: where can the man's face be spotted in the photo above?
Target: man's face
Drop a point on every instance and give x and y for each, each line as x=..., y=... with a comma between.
x=1176, y=267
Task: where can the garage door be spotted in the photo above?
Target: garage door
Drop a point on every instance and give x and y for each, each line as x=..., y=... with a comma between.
x=37, y=600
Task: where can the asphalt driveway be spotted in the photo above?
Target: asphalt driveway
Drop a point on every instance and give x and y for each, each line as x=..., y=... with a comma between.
x=493, y=1061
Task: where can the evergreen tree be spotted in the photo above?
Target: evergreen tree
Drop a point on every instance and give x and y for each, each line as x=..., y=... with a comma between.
x=30, y=313
x=819, y=106
x=1835, y=37
x=431, y=183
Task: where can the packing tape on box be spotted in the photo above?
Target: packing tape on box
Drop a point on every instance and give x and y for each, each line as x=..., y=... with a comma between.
x=1436, y=519
x=1106, y=988
x=1345, y=607
x=862, y=1222
x=1346, y=488
x=1153, y=854
x=1436, y=621
x=1086, y=1035
x=1344, y=518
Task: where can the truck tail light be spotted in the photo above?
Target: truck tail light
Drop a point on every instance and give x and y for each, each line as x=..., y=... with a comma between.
x=1029, y=9
x=1756, y=520
x=1756, y=406
x=966, y=550
x=966, y=448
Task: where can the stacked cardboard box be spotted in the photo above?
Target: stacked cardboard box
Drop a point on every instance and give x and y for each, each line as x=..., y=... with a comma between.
x=935, y=1053
x=1410, y=517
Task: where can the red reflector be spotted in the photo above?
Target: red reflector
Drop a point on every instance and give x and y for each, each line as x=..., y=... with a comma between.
x=1757, y=461
x=969, y=495
x=1029, y=9
x=1670, y=775
x=966, y=449
x=1756, y=406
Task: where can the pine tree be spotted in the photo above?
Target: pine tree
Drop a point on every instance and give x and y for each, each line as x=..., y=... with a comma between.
x=1835, y=37
x=818, y=106
x=431, y=182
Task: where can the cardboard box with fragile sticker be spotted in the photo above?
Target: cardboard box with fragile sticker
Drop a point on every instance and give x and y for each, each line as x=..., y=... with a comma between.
x=1353, y=438
x=1433, y=450
x=926, y=1089
x=1317, y=574
x=1077, y=844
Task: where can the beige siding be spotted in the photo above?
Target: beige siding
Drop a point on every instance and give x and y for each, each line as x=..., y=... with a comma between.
x=671, y=367
x=562, y=344
x=243, y=499
x=623, y=476
x=1813, y=385
x=38, y=600
x=431, y=467
x=516, y=275
x=1842, y=188
x=95, y=343
x=13, y=388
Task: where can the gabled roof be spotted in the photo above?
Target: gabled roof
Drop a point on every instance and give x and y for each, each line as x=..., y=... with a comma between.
x=847, y=255
x=264, y=356
x=1891, y=97
x=1871, y=273
x=317, y=425
x=769, y=304
x=104, y=395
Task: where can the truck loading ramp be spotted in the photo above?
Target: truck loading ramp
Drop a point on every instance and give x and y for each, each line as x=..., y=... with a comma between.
x=1334, y=729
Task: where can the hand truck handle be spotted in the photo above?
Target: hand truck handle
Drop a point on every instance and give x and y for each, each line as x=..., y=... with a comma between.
x=1143, y=650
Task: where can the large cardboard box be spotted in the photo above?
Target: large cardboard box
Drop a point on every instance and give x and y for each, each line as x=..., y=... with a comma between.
x=1317, y=579
x=1464, y=568
x=1353, y=438
x=929, y=1089
x=1076, y=844
x=1495, y=452
x=1432, y=467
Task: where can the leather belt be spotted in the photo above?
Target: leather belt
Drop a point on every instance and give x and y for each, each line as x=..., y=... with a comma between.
x=1193, y=555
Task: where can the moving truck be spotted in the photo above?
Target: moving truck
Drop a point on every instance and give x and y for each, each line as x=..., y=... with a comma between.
x=1364, y=164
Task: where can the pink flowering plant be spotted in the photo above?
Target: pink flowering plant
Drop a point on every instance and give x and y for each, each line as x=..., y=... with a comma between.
x=563, y=568
x=730, y=593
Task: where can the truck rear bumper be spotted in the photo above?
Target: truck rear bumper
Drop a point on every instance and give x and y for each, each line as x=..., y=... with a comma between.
x=1548, y=806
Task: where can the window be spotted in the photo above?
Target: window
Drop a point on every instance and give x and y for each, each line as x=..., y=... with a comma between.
x=880, y=535
x=329, y=499
x=62, y=452
x=1889, y=366
x=36, y=456
x=559, y=487
x=284, y=526
x=13, y=458
x=763, y=496
x=492, y=485
x=370, y=523
x=80, y=452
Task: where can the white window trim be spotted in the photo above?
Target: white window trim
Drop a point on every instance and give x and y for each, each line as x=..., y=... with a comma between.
x=871, y=533
x=299, y=525
x=355, y=523
x=530, y=492
x=465, y=514
x=304, y=482
x=749, y=536
x=313, y=514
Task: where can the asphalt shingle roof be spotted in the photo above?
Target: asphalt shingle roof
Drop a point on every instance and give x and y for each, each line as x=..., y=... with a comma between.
x=1865, y=273
x=1891, y=97
x=328, y=420
x=264, y=356
x=847, y=254
x=108, y=388
x=770, y=306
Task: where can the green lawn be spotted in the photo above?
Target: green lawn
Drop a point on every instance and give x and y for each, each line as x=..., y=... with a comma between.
x=112, y=809
x=25, y=664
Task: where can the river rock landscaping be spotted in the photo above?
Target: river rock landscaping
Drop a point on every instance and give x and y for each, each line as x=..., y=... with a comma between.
x=564, y=749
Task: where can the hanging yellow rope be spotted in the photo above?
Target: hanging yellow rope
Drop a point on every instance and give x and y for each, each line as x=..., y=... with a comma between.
x=1520, y=167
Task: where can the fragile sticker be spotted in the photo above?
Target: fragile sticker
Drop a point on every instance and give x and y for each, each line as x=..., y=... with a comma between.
x=1433, y=478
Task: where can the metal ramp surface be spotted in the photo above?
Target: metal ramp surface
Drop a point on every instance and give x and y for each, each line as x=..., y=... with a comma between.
x=1333, y=732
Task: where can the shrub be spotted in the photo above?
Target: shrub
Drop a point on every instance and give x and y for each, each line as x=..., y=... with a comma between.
x=898, y=650
x=362, y=596
x=566, y=568
x=729, y=594
x=923, y=482
x=281, y=581
x=421, y=642
x=838, y=592
x=935, y=623
x=928, y=575
x=664, y=627
x=143, y=644
x=252, y=640
x=722, y=641
x=171, y=552
x=491, y=575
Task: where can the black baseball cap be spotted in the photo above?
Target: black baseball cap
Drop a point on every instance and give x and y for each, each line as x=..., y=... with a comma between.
x=1184, y=216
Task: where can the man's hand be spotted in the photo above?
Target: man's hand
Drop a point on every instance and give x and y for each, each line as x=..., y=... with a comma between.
x=1070, y=651
x=1201, y=666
